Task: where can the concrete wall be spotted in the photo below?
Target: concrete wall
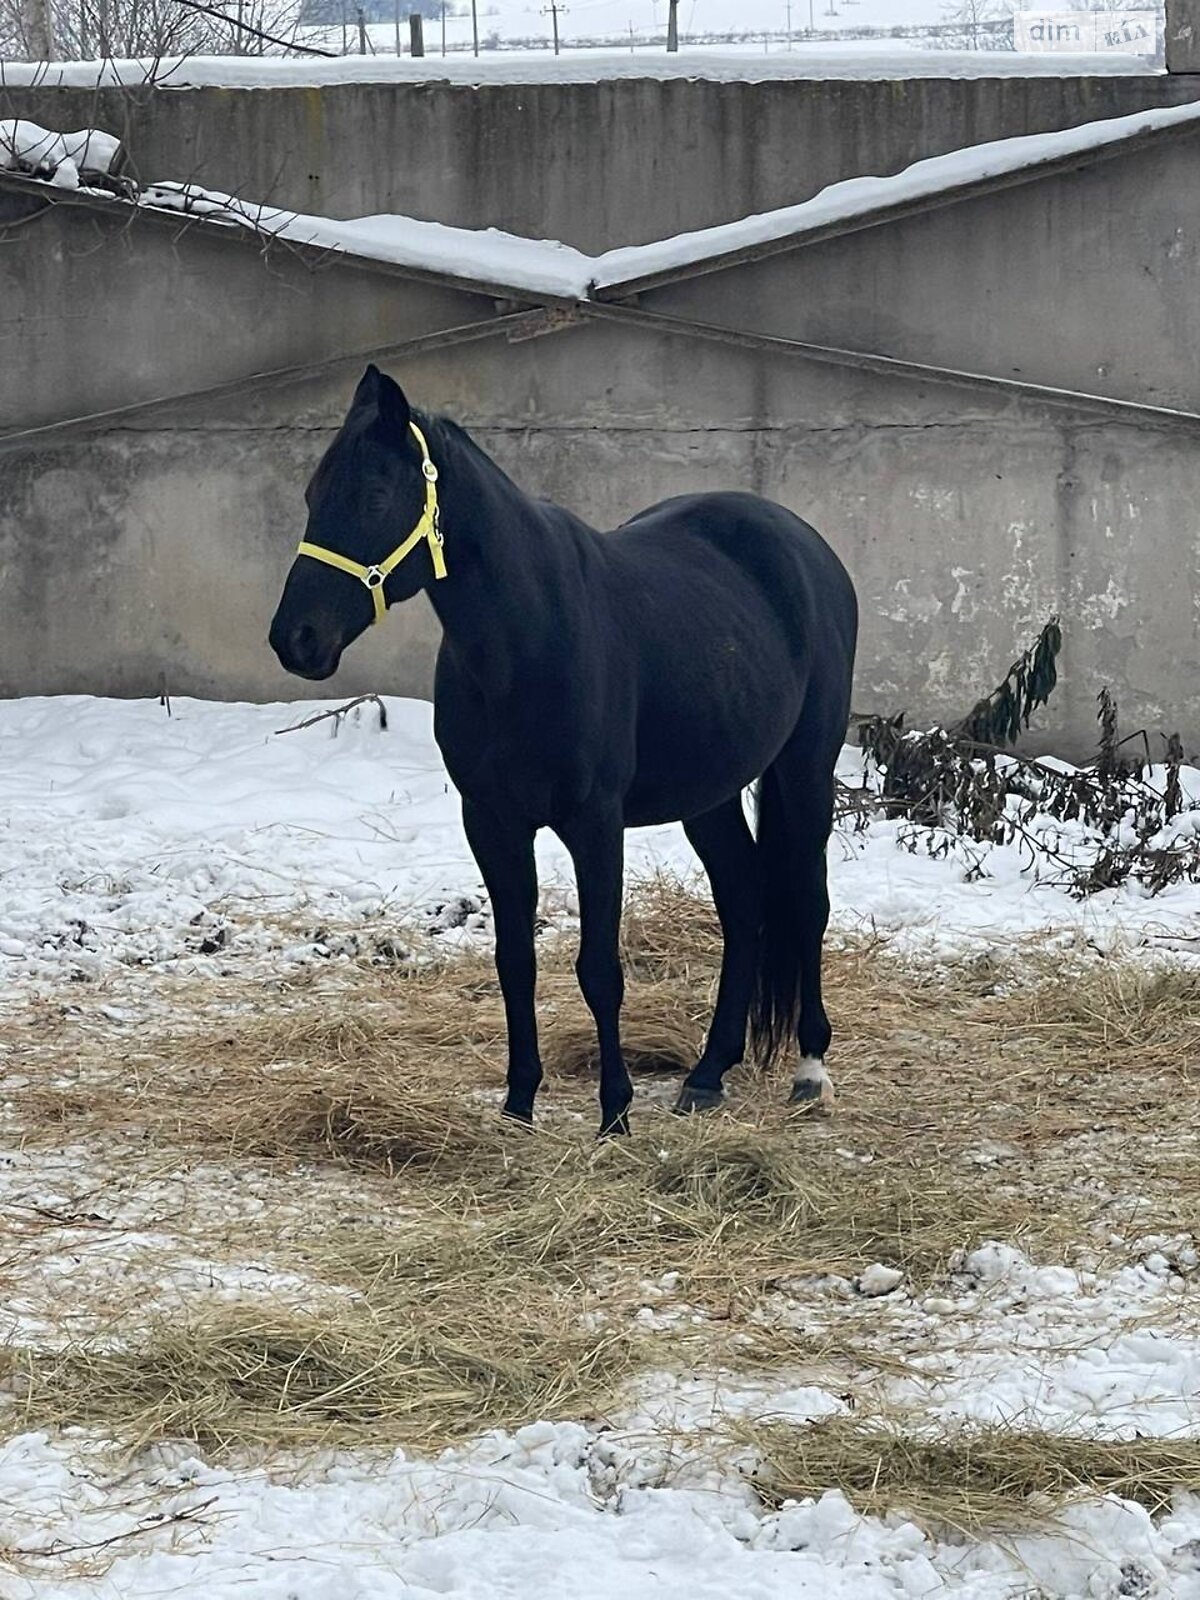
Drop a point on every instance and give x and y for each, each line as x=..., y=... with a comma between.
x=597, y=165
x=155, y=552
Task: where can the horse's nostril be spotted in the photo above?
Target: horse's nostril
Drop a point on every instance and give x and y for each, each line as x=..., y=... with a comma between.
x=304, y=641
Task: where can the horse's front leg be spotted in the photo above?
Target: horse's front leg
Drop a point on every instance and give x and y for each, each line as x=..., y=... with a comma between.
x=595, y=839
x=504, y=851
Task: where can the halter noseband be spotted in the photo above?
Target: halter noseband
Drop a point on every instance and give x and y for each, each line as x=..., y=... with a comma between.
x=428, y=528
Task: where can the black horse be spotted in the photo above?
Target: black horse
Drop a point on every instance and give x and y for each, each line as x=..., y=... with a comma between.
x=594, y=682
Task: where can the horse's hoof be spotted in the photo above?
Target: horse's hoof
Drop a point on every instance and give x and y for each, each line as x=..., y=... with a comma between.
x=812, y=1091
x=691, y=1100
x=616, y=1127
x=523, y=1119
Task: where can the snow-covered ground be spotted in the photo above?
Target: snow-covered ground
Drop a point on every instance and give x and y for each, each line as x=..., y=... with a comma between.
x=136, y=845
x=129, y=835
x=644, y=1507
x=553, y=1511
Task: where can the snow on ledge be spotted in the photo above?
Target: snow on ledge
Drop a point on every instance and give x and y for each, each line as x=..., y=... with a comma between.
x=544, y=268
x=859, y=197
x=887, y=60
x=485, y=256
x=547, y=267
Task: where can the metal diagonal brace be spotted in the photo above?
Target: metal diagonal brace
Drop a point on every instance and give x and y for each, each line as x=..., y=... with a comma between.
x=522, y=324
x=1115, y=410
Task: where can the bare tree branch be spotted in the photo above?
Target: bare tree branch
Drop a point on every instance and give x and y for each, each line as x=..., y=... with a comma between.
x=258, y=33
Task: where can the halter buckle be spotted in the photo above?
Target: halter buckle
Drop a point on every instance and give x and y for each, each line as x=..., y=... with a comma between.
x=430, y=471
x=374, y=576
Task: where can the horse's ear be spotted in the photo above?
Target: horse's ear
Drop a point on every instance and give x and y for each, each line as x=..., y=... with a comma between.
x=376, y=389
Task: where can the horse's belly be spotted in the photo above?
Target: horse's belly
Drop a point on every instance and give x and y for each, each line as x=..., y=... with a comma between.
x=694, y=758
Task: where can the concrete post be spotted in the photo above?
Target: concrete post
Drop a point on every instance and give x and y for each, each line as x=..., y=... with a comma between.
x=416, y=33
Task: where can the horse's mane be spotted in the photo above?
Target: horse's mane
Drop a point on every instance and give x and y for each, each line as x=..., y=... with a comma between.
x=445, y=430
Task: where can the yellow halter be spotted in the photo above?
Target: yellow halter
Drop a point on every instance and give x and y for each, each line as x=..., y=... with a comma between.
x=428, y=528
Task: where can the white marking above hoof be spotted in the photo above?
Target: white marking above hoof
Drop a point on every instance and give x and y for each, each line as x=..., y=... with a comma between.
x=812, y=1087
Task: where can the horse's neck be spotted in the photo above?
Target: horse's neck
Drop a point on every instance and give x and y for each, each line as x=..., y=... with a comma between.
x=498, y=601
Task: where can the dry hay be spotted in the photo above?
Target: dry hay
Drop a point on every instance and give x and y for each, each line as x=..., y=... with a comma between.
x=509, y=1289
x=1026, y=1045
x=231, y=1376
x=971, y=1479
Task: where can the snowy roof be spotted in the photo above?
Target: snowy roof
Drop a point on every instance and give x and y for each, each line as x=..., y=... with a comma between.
x=883, y=61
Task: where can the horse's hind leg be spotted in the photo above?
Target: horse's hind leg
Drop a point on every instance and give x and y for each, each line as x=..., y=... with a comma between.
x=803, y=772
x=725, y=845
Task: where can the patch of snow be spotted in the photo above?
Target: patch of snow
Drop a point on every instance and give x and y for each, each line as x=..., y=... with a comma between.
x=26, y=147
x=878, y=1279
x=128, y=836
x=25, y=144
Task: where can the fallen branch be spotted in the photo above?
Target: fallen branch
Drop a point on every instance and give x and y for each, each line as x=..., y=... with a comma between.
x=962, y=782
x=154, y=1524
x=338, y=713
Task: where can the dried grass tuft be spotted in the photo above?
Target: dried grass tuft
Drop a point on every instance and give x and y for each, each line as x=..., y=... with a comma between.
x=970, y=1479
x=231, y=1376
x=663, y=1027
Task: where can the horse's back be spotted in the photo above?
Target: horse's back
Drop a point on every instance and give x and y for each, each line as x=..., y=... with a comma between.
x=703, y=543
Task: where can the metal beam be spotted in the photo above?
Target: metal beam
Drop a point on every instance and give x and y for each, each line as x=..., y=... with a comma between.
x=1127, y=411
x=519, y=324
x=898, y=211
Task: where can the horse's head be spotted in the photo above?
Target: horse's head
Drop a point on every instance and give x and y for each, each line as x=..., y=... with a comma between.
x=372, y=537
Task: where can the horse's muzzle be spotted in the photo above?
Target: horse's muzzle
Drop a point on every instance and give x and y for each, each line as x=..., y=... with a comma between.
x=303, y=652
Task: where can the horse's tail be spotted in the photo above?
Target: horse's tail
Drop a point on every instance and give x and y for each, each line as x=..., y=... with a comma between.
x=775, y=1011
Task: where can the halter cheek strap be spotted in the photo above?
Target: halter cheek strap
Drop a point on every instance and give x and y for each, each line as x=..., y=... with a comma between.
x=428, y=529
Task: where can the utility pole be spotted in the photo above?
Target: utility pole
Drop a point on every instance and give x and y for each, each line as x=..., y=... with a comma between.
x=789, y=24
x=397, y=29
x=362, y=32
x=552, y=10
x=475, y=24
x=673, y=27
x=443, y=27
